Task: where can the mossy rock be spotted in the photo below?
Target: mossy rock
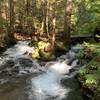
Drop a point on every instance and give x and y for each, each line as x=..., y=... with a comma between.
x=42, y=44
x=46, y=55
x=35, y=54
x=40, y=52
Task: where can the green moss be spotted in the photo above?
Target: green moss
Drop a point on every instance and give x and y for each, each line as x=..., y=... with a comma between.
x=40, y=52
x=35, y=54
x=83, y=71
x=46, y=55
x=90, y=50
x=42, y=44
x=91, y=80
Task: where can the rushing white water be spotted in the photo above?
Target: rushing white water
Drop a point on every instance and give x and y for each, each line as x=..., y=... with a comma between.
x=19, y=49
x=45, y=86
x=48, y=85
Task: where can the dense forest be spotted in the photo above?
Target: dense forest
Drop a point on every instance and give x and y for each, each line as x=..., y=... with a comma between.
x=52, y=28
x=45, y=18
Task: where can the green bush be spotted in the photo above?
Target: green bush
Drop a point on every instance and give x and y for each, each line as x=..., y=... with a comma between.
x=89, y=75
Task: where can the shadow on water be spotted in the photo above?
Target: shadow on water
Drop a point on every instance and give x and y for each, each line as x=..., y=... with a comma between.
x=12, y=90
x=75, y=93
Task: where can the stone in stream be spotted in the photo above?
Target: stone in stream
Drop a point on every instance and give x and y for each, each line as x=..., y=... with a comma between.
x=25, y=62
x=7, y=64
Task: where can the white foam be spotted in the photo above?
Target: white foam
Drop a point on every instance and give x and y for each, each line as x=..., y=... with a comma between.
x=49, y=84
x=60, y=68
x=19, y=49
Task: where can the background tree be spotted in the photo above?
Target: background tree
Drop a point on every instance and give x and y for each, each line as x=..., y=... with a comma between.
x=10, y=36
x=67, y=24
x=43, y=18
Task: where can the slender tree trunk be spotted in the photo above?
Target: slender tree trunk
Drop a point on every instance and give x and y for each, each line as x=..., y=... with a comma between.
x=53, y=24
x=0, y=25
x=11, y=25
x=6, y=19
x=47, y=19
x=67, y=24
x=0, y=10
x=33, y=7
x=43, y=24
x=53, y=33
x=27, y=12
x=21, y=14
x=82, y=13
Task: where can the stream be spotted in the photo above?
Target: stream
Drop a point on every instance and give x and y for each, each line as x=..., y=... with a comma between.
x=22, y=78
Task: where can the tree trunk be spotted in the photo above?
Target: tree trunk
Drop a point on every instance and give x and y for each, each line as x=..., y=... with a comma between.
x=11, y=38
x=53, y=25
x=67, y=24
x=47, y=19
x=83, y=16
x=33, y=7
x=43, y=24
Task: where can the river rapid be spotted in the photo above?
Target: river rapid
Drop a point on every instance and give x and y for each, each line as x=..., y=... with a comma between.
x=22, y=78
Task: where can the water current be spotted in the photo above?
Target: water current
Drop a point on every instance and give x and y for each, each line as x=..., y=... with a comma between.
x=22, y=78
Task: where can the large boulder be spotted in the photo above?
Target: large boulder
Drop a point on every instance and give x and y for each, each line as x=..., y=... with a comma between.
x=43, y=51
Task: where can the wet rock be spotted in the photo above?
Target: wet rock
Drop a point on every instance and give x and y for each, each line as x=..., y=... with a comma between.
x=77, y=48
x=3, y=73
x=22, y=72
x=15, y=69
x=25, y=62
x=6, y=74
x=7, y=64
x=10, y=63
x=71, y=55
x=42, y=63
x=62, y=57
x=74, y=63
x=2, y=81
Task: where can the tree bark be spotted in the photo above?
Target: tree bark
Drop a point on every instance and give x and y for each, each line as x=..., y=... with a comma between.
x=11, y=38
x=53, y=25
x=67, y=24
x=33, y=7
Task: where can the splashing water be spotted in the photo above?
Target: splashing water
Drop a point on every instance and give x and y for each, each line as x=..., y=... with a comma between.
x=48, y=85
x=19, y=49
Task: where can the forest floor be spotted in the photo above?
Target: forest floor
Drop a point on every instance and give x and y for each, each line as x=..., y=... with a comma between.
x=21, y=37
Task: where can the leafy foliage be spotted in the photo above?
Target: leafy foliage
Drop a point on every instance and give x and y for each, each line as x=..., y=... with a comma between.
x=89, y=75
